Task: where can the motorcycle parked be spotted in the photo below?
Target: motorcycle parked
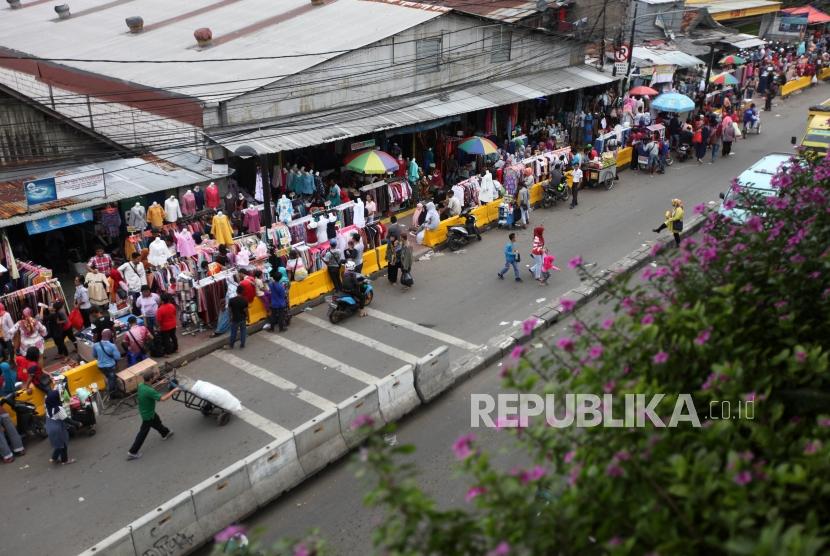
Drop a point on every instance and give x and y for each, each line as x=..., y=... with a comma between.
x=684, y=152
x=29, y=422
x=459, y=236
x=345, y=305
x=552, y=194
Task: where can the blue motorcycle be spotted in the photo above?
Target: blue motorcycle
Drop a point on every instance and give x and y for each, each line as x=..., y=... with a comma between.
x=345, y=305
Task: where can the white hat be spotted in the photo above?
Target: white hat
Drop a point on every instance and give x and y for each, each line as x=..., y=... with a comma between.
x=350, y=265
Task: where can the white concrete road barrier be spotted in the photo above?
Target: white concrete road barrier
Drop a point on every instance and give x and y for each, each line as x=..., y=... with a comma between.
x=319, y=442
x=119, y=543
x=225, y=497
x=432, y=374
x=397, y=395
x=170, y=530
x=274, y=469
x=363, y=404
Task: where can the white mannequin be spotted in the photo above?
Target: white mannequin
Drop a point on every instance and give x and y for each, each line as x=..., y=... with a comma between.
x=159, y=252
x=359, y=213
x=284, y=209
x=137, y=217
x=218, y=213
x=172, y=210
x=322, y=230
x=487, y=190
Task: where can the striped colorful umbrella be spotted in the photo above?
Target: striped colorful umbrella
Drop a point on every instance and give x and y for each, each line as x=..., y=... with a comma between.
x=371, y=162
x=478, y=145
x=724, y=79
x=732, y=60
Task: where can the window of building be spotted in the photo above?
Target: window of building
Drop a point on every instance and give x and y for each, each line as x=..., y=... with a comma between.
x=428, y=55
x=500, y=45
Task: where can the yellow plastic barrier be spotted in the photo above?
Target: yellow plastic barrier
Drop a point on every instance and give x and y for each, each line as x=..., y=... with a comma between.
x=317, y=284
x=624, y=157
x=257, y=311
x=795, y=85
x=482, y=214
x=824, y=74
x=381, y=253
x=439, y=235
x=370, y=262
x=536, y=193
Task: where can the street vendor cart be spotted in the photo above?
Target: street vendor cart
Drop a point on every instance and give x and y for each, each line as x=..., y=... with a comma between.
x=602, y=172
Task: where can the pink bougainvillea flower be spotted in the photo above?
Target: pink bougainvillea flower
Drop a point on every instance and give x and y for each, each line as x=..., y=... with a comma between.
x=362, y=421
x=462, y=447
x=565, y=344
x=812, y=447
x=613, y=470
x=703, y=337
x=660, y=357
x=529, y=325
x=609, y=386
x=575, y=262
x=824, y=422
x=607, y=324
x=473, y=492
x=502, y=549
x=229, y=533
x=301, y=550
x=742, y=478
x=569, y=456
x=577, y=328
x=614, y=541
x=517, y=352
x=647, y=320
x=595, y=352
x=567, y=305
x=801, y=356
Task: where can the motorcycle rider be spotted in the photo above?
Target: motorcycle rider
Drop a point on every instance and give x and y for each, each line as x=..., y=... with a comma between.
x=351, y=286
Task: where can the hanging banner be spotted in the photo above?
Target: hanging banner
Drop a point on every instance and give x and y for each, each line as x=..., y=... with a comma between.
x=46, y=190
x=662, y=74
x=58, y=221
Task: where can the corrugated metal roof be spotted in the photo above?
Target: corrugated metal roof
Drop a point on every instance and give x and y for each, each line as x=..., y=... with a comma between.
x=241, y=29
x=124, y=177
x=664, y=57
x=721, y=6
x=316, y=129
x=508, y=11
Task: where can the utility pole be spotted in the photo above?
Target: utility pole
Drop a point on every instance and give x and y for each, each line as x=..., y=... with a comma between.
x=709, y=67
x=631, y=43
x=602, y=54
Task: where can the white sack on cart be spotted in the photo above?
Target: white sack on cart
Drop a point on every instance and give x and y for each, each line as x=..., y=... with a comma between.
x=216, y=395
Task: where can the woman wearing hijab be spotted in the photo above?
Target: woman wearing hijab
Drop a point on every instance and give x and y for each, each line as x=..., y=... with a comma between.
x=674, y=221
x=107, y=355
x=56, y=429
x=31, y=331
x=431, y=222
x=118, y=288
x=537, y=251
x=6, y=334
x=59, y=328
x=9, y=379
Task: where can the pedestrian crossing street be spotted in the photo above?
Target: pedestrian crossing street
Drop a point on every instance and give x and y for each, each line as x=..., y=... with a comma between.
x=285, y=379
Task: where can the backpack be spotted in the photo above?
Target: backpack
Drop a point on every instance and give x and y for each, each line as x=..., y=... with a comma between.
x=697, y=138
x=156, y=346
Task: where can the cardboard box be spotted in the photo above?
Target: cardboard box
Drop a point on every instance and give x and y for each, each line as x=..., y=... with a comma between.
x=128, y=378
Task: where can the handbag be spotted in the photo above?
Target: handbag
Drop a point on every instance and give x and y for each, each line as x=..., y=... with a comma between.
x=518, y=257
x=406, y=279
x=677, y=226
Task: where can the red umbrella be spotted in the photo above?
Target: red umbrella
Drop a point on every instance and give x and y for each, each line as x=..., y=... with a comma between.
x=642, y=90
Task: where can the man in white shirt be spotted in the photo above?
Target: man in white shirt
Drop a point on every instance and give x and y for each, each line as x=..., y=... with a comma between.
x=135, y=275
x=453, y=204
x=577, y=181
x=359, y=247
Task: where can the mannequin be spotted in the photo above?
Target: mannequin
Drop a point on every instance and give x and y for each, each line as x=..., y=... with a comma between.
x=229, y=203
x=308, y=183
x=322, y=230
x=258, y=187
x=212, y=196
x=137, y=217
x=240, y=204
x=185, y=244
x=188, y=204
x=250, y=219
x=221, y=229
x=243, y=258
x=487, y=192
x=359, y=213
x=319, y=188
x=284, y=209
x=429, y=157
x=155, y=215
x=172, y=210
x=331, y=228
x=292, y=176
x=261, y=250
x=199, y=196
x=159, y=253
x=311, y=233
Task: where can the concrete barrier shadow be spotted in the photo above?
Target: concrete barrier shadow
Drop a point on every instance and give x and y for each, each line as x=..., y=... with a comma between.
x=397, y=395
x=433, y=374
x=364, y=403
x=319, y=442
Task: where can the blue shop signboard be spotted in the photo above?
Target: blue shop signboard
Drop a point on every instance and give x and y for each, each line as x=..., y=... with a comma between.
x=58, y=221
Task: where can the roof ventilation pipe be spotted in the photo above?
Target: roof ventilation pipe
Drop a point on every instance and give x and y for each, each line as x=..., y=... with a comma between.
x=63, y=11
x=135, y=23
x=204, y=36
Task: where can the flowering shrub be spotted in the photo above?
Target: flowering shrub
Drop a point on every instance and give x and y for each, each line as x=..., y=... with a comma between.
x=738, y=315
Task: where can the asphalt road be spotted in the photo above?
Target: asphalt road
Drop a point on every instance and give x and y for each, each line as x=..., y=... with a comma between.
x=465, y=298
x=286, y=379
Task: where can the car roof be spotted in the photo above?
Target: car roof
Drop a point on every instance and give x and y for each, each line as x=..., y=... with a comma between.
x=759, y=175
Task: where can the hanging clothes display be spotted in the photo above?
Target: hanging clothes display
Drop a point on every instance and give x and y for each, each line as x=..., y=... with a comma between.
x=285, y=209
x=137, y=217
x=172, y=210
x=188, y=203
x=110, y=220
x=250, y=220
x=159, y=252
x=487, y=188
x=185, y=244
x=212, y=196
x=199, y=197
x=45, y=292
x=155, y=215
x=359, y=213
x=258, y=187
x=221, y=229
x=229, y=204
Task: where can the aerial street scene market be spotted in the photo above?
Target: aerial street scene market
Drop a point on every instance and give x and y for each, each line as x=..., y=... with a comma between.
x=415, y=278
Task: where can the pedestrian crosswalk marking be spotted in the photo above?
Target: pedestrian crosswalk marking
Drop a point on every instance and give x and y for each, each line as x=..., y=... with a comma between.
x=275, y=380
x=361, y=339
x=423, y=330
x=263, y=424
x=321, y=358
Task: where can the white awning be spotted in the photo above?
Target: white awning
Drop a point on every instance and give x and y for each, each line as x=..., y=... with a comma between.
x=324, y=127
x=646, y=57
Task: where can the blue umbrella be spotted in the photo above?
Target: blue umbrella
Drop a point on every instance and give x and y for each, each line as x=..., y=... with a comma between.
x=673, y=102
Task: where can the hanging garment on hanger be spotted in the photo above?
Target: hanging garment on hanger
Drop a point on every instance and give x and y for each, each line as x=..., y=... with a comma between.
x=285, y=209
x=221, y=229
x=137, y=217
x=212, y=196
x=172, y=210
x=258, y=187
x=159, y=253
x=359, y=213
x=250, y=219
x=111, y=222
x=188, y=204
x=155, y=215
x=185, y=244
x=199, y=196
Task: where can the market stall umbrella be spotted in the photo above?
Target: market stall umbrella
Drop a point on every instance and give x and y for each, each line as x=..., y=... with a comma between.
x=673, y=102
x=732, y=60
x=478, y=145
x=724, y=79
x=642, y=90
x=371, y=162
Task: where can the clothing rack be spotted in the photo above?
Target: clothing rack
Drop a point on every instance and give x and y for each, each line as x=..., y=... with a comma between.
x=45, y=292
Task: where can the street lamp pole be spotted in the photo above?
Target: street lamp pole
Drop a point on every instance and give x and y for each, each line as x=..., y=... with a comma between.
x=631, y=45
